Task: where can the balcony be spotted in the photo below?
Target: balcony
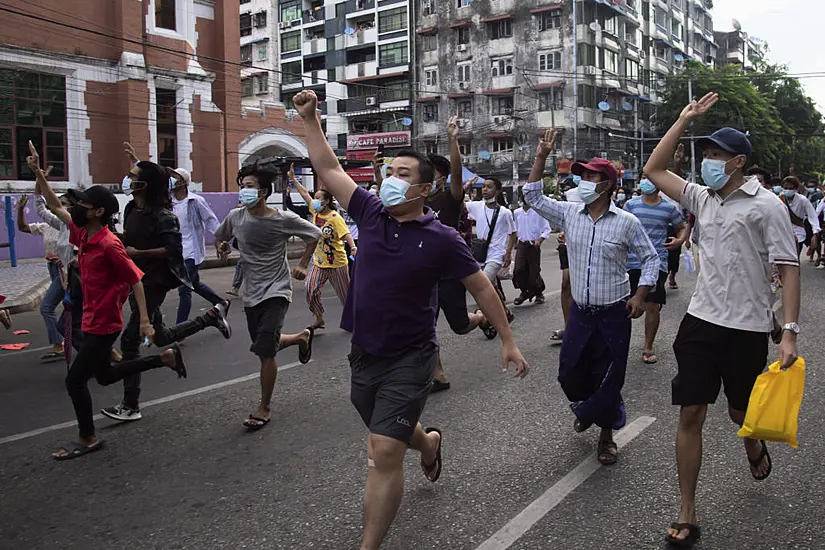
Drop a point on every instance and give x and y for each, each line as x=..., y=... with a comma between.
x=366, y=36
x=313, y=16
x=355, y=6
x=358, y=70
x=319, y=45
x=315, y=78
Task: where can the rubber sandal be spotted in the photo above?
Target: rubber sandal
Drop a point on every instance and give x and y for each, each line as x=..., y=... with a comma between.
x=253, y=423
x=694, y=533
x=179, y=367
x=557, y=337
x=53, y=356
x=439, y=386
x=650, y=358
x=673, y=286
x=75, y=450
x=433, y=471
x=757, y=462
x=304, y=356
x=580, y=426
x=608, y=453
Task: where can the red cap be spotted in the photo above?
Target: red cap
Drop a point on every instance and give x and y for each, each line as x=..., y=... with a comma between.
x=602, y=166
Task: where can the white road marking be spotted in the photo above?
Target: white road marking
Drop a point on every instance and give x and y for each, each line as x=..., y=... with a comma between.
x=524, y=521
x=159, y=401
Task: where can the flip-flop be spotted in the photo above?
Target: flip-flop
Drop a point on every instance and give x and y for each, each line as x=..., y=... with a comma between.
x=250, y=426
x=179, y=367
x=673, y=286
x=557, y=337
x=650, y=358
x=694, y=533
x=433, y=471
x=76, y=449
x=757, y=462
x=439, y=386
x=608, y=453
x=53, y=356
x=304, y=356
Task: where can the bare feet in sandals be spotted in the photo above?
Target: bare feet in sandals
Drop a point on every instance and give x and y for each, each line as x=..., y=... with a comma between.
x=608, y=450
x=431, y=464
x=78, y=448
x=649, y=358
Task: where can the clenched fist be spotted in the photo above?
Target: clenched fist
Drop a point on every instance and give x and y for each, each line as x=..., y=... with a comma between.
x=306, y=103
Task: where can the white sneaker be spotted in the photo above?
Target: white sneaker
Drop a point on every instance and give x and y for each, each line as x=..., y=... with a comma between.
x=122, y=412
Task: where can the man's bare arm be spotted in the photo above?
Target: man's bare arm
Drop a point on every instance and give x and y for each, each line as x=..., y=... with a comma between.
x=43, y=188
x=456, y=168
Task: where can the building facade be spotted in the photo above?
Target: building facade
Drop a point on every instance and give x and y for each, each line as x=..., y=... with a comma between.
x=511, y=69
x=162, y=74
x=737, y=48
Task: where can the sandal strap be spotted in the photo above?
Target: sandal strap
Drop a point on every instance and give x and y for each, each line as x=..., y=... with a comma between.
x=758, y=461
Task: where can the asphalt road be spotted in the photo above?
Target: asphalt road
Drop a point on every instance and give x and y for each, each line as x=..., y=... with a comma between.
x=188, y=476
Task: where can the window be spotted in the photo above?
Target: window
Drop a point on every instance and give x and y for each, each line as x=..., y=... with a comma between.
x=676, y=28
x=678, y=5
x=660, y=17
x=430, y=148
x=429, y=42
x=167, y=125
x=587, y=55
x=465, y=109
x=464, y=72
x=550, y=19
x=291, y=72
x=500, y=29
x=392, y=20
x=660, y=52
x=611, y=61
x=631, y=70
x=291, y=41
x=465, y=147
x=462, y=3
x=550, y=61
x=260, y=20
x=431, y=112
x=428, y=7
x=245, y=1
x=587, y=96
x=290, y=10
x=610, y=25
x=261, y=84
x=631, y=35
x=246, y=54
x=246, y=87
x=263, y=51
x=246, y=24
x=165, y=14
x=463, y=35
x=503, y=145
x=32, y=107
x=502, y=66
x=502, y=105
x=431, y=77
x=390, y=55
x=551, y=101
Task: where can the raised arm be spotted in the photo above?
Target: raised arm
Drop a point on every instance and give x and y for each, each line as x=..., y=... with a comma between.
x=549, y=209
x=546, y=144
x=321, y=155
x=21, y=215
x=298, y=185
x=45, y=214
x=43, y=187
x=456, y=168
x=656, y=167
x=377, y=164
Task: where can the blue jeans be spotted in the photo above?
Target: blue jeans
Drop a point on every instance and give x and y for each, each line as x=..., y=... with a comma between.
x=48, y=307
x=185, y=293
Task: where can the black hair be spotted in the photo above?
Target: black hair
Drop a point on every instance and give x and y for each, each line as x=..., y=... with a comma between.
x=264, y=177
x=157, y=185
x=499, y=196
x=426, y=170
x=328, y=197
x=441, y=164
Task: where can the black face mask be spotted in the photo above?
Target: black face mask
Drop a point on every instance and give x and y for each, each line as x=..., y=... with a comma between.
x=80, y=215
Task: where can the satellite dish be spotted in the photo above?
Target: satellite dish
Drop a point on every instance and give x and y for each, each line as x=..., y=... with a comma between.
x=661, y=82
x=627, y=106
x=678, y=58
x=737, y=25
x=604, y=106
x=406, y=121
x=484, y=154
x=349, y=31
x=595, y=27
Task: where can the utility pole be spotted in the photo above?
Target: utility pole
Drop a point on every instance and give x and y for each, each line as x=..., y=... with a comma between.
x=692, y=142
x=636, y=129
x=575, y=85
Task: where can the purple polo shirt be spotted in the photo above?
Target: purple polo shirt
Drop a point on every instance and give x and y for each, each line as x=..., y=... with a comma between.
x=392, y=298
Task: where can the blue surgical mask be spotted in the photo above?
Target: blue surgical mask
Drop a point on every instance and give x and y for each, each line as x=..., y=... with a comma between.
x=576, y=180
x=373, y=192
x=620, y=197
x=394, y=191
x=248, y=197
x=587, y=192
x=713, y=173
x=126, y=185
x=788, y=193
x=316, y=205
x=647, y=187
x=777, y=189
x=171, y=183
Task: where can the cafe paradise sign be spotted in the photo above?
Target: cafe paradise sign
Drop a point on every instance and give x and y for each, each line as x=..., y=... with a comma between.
x=357, y=142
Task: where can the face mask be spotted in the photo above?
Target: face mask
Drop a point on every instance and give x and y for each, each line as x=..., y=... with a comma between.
x=811, y=189
x=248, y=197
x=713, y=173
x=587, y=192
x=491, y=201
x=777, y=189
x=647, y=187
x=171, y=183
x=434, y=189
x=394, y=191
x=577, y=180
x=126, y=186
x=316, y=205
x=79, y=215
x=789, y=193
x=373, y=192
x=620, y=197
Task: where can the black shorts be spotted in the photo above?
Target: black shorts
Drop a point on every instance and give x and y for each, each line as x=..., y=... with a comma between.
x=564, y=261
x=673, y=259
x=452, y=301
x=657, y=295
x=265, y=322
x=390, y=392
x=711, y=355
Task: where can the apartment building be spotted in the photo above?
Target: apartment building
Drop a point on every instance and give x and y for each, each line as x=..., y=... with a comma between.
x=512, y=69
x=356, y=55
x=737, y=48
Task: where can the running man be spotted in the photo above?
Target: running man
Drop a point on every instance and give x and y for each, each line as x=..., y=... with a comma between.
x=799, y=210
x=405, y=252
x=600, y=236
x=657, y=216
x=262, y=233
x=723, y=338
x=532, y=231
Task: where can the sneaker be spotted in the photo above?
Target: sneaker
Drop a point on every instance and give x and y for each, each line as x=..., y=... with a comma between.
x=122, y=412
x=218, y=313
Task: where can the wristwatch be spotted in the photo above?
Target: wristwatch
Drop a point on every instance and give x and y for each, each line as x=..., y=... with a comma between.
x=791, y=327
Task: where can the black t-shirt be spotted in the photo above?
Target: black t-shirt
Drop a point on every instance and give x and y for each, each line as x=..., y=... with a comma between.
x=447, y=209
x=150, y=228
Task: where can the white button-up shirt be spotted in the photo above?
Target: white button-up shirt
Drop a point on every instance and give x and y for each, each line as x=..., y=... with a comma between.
x=195, y=216
x=802, y=208
x=530, y=226
x=598, y=249
x=742, y=235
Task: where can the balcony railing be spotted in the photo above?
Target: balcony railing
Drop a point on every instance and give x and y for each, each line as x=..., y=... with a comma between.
x=313, y=16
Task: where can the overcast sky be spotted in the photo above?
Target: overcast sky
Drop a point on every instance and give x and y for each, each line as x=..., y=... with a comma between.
x=792, y=28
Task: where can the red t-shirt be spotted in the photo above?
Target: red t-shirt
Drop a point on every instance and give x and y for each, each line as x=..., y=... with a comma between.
x=107, y=276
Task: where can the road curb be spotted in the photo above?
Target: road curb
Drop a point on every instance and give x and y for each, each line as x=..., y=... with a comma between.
x=31, y=300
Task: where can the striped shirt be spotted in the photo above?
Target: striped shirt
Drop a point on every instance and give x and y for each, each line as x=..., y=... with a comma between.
x=598, y=249
x=655, y=218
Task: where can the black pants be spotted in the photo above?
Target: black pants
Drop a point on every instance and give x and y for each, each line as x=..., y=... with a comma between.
x=130, y=341
x=94, y=360
x=527, y=272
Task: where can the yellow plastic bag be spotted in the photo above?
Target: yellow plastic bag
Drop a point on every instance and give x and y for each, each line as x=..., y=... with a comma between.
x=773, y=409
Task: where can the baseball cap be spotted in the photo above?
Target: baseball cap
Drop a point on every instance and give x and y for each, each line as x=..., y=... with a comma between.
x=756, y=171
x=184, y=174
x=600, y=165
x=98, y=197
x=728, y=139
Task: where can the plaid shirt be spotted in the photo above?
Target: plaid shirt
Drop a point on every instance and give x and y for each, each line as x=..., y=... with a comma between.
x=597, y=250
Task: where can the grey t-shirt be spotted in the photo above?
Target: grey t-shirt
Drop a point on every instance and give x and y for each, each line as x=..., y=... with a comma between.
x=262, y=242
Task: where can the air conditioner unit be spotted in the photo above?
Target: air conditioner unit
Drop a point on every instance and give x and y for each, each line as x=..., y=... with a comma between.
x=284, y=25
x=642, y=54
x=603, y=155
x=463, y=85
x=462, y=47
x=371, y=101
x=499, y=119
x=590, y=70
